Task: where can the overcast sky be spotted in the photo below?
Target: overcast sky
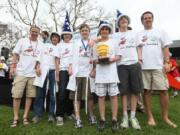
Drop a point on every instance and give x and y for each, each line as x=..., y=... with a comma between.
x=166, y=12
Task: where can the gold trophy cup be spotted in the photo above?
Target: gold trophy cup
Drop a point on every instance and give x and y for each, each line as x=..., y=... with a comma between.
x=103, y=53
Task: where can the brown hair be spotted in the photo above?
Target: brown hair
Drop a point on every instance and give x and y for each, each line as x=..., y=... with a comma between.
x=126, y=17
x=34, y=26
x=84, y=26
x=147, y=12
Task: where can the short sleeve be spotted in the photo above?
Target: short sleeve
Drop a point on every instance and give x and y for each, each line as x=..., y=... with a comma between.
x=95, y=57
x=165, y=39
x=118, y=51
x=138, y=40
x=18, y=47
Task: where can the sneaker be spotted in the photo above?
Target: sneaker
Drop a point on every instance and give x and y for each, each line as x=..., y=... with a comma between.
x=141, y=110
x=72, y=117
x=102, y=125
x=51, y=119
x=59, y=121
x=115, y=125
x=125, y=122
x=175, y=94
x=35, y=119
x=135, y=123
x=78, y=124
x=92, y=120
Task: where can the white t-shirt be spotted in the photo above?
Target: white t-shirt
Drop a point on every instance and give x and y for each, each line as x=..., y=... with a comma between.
x=127, y=45
x=107, y=73
x=3, y=69
x=64, y=51
x=153, y=41
x=85, y=56
x=28, y=52
x=46, y=57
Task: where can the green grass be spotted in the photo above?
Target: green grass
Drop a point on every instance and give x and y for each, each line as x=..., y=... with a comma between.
x=45, y=128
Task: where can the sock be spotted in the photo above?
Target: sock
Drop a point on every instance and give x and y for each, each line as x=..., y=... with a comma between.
x=103, y=119
x=77, y=118
x=133, y=113
x=114, y=118
x=125, y=114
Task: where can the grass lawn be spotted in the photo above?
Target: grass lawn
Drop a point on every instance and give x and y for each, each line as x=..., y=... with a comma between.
x=45, y=128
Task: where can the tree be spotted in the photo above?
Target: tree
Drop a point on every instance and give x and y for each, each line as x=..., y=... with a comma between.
x=10, y=38
x=81, y=11
x=24, y=11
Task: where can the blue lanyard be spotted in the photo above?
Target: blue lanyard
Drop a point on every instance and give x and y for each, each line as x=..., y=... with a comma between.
x=85, y=46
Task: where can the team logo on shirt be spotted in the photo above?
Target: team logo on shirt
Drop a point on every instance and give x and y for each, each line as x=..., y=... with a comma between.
x=80, y=49
x=122, y=41
x=37, y=52
x=50, y=50
x=29, y=49
x=144, y=38
x=66, y=51
x=153, y=39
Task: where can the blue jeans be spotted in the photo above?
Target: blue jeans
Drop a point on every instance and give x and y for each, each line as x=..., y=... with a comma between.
x=41, y=93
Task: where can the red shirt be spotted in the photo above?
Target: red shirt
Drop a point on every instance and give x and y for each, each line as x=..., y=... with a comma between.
x=175, y=72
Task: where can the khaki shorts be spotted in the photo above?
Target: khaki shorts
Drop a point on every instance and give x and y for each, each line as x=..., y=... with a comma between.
x=19, y=85
x=81, y=90
x=155, y=80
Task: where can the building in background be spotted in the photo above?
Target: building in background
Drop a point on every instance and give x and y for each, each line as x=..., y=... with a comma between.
x=175, y=49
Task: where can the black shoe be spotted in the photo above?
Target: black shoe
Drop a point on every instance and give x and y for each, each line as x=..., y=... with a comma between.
x=115, y=125
x=141, y=110
x=102, y=125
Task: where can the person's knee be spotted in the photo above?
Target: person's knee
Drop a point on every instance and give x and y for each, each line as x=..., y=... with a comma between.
x=101, y=97
x=163, y=93
x=147, y=92
x=113, y=97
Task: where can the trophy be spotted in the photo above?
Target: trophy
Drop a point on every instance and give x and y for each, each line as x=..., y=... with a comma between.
x=1, y=65
x=103, y=53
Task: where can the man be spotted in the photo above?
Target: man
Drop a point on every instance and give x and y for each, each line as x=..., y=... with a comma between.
x=23, y=68
x=45, y=37
x=155, y=59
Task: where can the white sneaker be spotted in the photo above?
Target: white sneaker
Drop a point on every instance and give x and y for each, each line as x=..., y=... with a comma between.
x=78, y=124
x=51, y=119
x=135, y=123
x=72, y=117
x=59, y=121
x=92, y=120
x=125, y=122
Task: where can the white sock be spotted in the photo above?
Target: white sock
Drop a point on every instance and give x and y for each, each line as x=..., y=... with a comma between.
x=125, y=114
x=133, y=113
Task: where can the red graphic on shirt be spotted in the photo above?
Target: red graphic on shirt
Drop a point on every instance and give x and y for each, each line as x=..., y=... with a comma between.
x=123, y=41
x=50, y=50
x=144, y=38
x=66, y=51
x=80, y=50
x=29, y=49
